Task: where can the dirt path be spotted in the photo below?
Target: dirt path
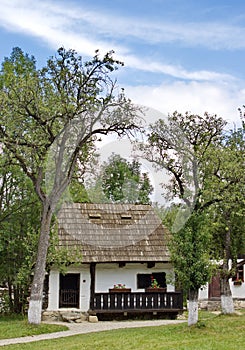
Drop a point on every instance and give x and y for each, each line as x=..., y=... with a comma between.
x=87, y=327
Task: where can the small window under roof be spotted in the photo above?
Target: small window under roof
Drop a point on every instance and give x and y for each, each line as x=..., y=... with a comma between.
x=94, y=216
x=126, y=216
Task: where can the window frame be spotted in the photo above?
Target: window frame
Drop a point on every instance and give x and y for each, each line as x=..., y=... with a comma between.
x=144, y=279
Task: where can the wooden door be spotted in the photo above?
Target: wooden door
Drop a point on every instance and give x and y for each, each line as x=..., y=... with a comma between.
x=214, y=287
x=69, y=290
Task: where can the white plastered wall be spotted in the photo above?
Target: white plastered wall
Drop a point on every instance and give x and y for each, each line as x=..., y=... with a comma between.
x=105, y=277
x=238, y=291
x=109, y=274
x=54, y=287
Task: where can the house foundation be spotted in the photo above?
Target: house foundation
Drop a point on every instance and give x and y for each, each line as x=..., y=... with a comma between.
x=65, y=316
x=215, y=305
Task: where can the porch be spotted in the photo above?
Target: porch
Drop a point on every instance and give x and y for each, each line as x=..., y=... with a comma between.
x=137, y=302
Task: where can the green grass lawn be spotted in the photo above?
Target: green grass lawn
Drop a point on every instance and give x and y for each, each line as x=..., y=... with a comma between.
x=15, y=327
x=212, y=333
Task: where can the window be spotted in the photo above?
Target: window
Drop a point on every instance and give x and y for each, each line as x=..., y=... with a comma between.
x=126, y=217
x=239, y=274
x=94, y=216
x=144, y=279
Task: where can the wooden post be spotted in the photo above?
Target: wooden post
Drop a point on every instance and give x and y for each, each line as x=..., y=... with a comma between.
x=92, y=284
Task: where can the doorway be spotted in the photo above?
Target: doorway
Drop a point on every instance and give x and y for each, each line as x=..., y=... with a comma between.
x=69, y=290
x=214, y=287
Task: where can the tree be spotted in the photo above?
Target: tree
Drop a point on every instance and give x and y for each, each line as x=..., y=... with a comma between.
x=19, y=218
x=123, y=181
x=181, y=146
x=48, y=117
x=190, y=254
x=227, y=215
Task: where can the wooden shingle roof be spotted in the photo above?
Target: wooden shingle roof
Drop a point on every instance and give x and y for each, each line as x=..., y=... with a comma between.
x=113, y=232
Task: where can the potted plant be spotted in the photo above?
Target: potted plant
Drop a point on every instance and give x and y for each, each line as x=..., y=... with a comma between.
x=237, y=282
x=119, y=288
x=155, y=287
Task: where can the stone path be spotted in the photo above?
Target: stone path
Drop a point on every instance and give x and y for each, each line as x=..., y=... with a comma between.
x=87, y=327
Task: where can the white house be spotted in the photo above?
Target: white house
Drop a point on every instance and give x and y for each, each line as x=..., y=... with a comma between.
x=120, y=244
x=211, y=292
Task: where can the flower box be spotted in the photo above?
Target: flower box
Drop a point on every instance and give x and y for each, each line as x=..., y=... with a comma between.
x=237, y=283
x=120, y=290
x=156, y=290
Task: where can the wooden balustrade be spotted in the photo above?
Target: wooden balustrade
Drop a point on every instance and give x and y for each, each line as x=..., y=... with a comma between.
x=117, y=302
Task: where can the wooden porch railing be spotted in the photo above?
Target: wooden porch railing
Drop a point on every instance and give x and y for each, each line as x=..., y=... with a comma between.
x=108, y=302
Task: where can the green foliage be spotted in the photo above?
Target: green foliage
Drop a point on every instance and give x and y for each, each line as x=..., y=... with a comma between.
x=19, y=228
x=179, y=145
x=49, y=119
x=78, y=192
x=206, y=165
x=123, y=181
x=183, y=145
x=227, y=186
x=61, y=257
x=86, y=167
x=37, y=106
x=190, y=253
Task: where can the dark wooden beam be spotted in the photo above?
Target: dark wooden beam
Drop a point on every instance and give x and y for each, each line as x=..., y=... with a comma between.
x=122, y=264
x=92, y=282
x=150, y=264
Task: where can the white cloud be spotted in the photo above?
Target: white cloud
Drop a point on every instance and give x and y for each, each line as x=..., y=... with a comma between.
x=213, y=35
x=74, y=27
x=172, y=70
x=208, y=35
x=51, y=24
x=195, y=97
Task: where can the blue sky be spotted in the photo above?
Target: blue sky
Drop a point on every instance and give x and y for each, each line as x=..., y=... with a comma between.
x=178, y=55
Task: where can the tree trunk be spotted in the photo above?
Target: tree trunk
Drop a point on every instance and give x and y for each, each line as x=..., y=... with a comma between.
x=227, y=305
x=36, y=297
x=193, y=307
x=10, y=294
